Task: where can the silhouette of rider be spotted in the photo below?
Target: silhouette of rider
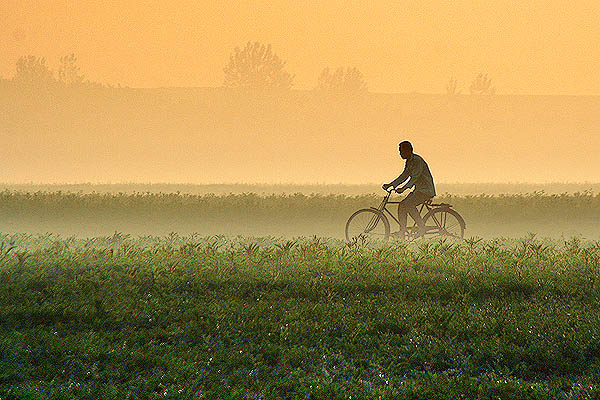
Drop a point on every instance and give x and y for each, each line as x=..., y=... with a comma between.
x=417, y=170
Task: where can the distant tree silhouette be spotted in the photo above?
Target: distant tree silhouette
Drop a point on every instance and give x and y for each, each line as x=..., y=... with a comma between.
x=68, y=72
x=451, y=87
x=256, y=66
x=482, y=85
x=348, y=81
x=32, y=70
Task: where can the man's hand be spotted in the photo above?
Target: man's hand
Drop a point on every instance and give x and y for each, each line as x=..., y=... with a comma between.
x=386, y=186
x=400, y=190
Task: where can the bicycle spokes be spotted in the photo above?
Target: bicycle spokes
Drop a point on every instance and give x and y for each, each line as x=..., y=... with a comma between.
x=372, y=224
x=446, y=223
x=367, y=222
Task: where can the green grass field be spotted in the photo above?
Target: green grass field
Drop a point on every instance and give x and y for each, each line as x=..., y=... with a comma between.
x=263, y=318
x=257, y=297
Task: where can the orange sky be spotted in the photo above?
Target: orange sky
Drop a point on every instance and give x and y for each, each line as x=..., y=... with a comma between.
x=527, y=47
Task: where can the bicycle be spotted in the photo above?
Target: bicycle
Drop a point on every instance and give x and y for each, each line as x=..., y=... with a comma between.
x=440, y=220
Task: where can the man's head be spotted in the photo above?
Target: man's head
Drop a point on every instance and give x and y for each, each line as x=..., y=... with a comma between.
x=405, y=149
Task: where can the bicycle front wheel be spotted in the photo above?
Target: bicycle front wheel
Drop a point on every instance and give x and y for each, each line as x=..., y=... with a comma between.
x=444, y=222
x=367, y=223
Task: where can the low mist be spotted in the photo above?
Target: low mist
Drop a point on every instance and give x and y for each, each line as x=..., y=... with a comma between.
x=235, y=211
x=226, y=136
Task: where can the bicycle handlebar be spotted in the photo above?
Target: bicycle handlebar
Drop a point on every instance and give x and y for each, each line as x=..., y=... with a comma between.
x=391, y=190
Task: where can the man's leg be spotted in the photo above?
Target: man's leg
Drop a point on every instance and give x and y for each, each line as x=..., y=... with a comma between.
x=409, y=206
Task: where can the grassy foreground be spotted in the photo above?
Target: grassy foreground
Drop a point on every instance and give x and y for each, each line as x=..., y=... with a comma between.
x=249, y=318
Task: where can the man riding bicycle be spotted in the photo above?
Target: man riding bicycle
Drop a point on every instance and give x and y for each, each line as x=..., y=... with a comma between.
x=417, y=170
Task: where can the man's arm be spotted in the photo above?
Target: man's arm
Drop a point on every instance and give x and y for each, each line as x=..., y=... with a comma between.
x=416, y=171
x=403, y=176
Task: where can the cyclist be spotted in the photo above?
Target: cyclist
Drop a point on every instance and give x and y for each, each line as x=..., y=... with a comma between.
x=417, y=170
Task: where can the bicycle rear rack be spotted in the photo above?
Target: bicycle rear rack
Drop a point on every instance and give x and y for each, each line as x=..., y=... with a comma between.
x=440, y=205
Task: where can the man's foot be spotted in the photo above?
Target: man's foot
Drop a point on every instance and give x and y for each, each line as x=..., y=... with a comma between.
x=419, y=231
x=412, y=232
x=399, y=234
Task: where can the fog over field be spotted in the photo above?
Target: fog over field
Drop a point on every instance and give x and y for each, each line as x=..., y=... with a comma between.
x=284, y=143
x=225, y=135
x=559, y=216
x=456, y=189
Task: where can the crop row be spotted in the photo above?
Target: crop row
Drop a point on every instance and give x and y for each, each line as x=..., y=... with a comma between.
x=280, y=215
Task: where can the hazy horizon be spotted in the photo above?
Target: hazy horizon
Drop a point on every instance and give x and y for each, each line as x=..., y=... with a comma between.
x=208, y=136
x=285, y=183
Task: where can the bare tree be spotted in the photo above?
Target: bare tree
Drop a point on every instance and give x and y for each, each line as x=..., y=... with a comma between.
x=482, y=85
x=451, y=87
x=68, y=72
x=256, y=66
x=32, y=70
x=346, y=81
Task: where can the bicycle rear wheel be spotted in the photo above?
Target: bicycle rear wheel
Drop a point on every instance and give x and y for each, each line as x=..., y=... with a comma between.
x=367, y=223
x=444, y=221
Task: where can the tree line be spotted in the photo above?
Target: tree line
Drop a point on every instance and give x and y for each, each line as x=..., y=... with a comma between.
x=255, y=66
x=32, y=71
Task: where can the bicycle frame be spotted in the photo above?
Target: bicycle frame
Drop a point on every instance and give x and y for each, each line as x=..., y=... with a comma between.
x=386, y=200
x=435, y=216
